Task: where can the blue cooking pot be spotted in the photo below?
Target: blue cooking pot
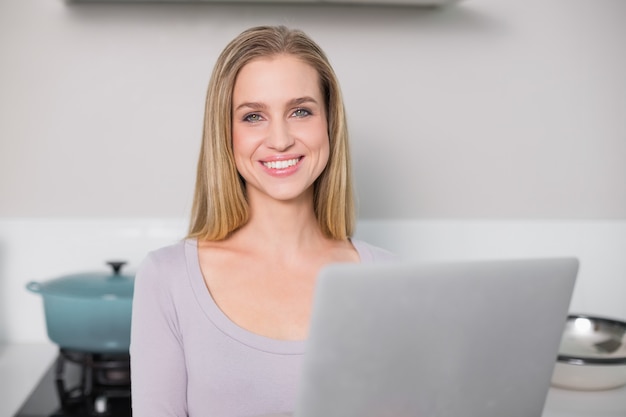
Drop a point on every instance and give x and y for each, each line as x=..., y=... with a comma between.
x=89, y=312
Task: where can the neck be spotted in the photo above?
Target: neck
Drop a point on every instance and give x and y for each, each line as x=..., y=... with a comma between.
x=281, y=226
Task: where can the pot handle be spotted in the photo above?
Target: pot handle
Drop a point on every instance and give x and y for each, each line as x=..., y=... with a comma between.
x=33, y=287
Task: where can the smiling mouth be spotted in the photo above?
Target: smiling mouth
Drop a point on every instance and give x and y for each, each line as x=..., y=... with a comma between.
x=281, y=164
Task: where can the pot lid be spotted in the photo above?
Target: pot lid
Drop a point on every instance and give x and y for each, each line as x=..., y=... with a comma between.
x=111, y=285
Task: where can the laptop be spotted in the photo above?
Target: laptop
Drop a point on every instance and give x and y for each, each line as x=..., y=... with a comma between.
x=471, y=339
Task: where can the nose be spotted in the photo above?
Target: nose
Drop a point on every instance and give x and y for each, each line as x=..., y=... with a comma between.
x=279, y=136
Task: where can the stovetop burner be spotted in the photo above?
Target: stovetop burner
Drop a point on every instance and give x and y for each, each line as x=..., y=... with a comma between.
x=81, y=384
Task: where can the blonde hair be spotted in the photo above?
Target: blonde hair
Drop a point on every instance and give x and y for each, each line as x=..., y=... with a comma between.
x=220, y=206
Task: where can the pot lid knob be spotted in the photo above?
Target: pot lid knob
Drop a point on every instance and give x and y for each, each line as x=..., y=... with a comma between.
x=117, y=266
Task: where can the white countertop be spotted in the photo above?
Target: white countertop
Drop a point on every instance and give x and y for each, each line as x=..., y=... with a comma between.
x=22, y=365
x=21, y=368
x=568, y=403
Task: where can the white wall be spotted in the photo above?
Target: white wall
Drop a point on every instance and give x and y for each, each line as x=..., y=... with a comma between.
x=42, y=249
x=489, y=109
x=495, y=128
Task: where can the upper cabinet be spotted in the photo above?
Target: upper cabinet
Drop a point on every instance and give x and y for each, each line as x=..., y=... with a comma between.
x=425, y=3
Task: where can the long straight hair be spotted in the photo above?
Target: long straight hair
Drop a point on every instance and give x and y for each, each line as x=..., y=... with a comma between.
x=220, y=205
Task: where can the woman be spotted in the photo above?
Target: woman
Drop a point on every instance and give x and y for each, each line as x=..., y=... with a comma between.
x=220, y=320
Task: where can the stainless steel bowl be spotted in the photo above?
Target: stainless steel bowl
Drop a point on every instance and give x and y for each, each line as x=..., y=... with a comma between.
x=592, y=355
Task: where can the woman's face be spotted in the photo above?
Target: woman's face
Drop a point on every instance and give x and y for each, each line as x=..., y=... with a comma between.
x=279, y=126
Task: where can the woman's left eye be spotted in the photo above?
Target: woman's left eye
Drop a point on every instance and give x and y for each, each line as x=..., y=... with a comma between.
x=301, y=113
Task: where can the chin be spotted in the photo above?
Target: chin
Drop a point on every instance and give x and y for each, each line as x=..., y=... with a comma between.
x=291, y=194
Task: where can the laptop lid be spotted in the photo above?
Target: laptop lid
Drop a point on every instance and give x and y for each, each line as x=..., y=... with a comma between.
x=472, y=339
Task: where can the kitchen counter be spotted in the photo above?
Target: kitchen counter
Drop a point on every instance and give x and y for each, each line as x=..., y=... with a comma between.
x=568, y=403
x=21, y=366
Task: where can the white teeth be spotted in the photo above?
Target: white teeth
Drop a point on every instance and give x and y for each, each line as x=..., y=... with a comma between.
x=281, y=164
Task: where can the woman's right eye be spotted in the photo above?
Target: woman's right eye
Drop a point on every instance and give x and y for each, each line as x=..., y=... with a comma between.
x=252, y=117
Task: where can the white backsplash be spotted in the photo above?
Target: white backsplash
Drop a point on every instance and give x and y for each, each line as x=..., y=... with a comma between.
x=40, y=249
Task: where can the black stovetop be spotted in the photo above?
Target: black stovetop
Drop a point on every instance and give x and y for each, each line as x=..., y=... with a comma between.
x=80, y=399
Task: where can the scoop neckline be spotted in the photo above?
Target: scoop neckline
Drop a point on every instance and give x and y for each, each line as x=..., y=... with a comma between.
x=222, y=322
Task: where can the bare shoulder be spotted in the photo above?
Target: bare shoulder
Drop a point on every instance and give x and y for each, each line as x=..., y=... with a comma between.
x=369, y=253
x=342, y=251
x=221, y=252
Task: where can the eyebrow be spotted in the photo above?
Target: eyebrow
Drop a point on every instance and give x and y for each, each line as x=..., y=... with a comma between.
x=293, y=102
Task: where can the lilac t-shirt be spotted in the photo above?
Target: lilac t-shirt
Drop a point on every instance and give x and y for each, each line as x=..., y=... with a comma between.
x=189, y=359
